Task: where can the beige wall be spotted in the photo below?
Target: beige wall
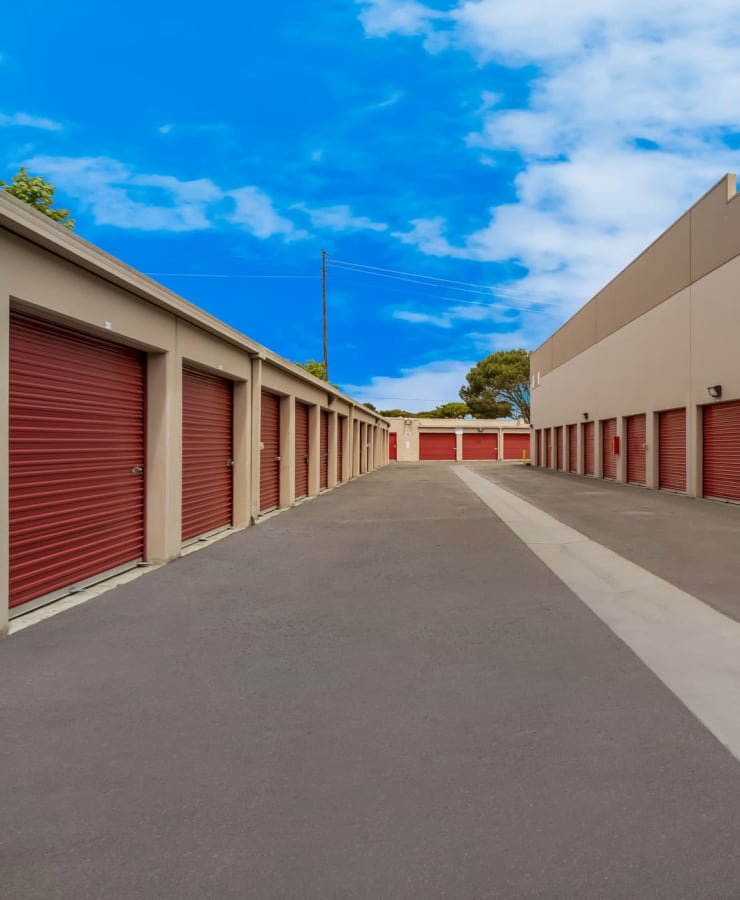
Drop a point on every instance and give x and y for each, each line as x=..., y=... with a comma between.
x=52, y=274
x=703, y=239
x=667, y=356
x=408, y=431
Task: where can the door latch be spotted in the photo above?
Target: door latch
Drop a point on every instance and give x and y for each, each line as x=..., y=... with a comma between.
x=137, y=470
x=230, y=463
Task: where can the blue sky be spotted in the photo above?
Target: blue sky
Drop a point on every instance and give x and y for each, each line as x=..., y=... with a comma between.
x=516, y=156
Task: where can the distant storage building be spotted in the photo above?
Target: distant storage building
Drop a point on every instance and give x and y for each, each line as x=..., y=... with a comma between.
x=642, y=385
x=458, y=439
x=133, y=423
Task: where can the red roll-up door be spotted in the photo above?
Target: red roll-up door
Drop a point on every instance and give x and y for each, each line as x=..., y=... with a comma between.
x=437, y=446
x=302, y=449
x=608, y=456
x=516, y=444
x=270, y=453
x=589, y=452
x=672, y=450
x=636, y=452
x=572, y=448
x=393, y=445
x=538, y=447
x=324, y=467
x=76, y=444
x=548, y=447
x=207, y=448
x=722, y=451
x=341, y=425
x=559, y=447
x=480, y=446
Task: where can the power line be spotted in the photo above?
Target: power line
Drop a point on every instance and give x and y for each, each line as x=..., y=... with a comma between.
x=343, y=262
x=209, y=275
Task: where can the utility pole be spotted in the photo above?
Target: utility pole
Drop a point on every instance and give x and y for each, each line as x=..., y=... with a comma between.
x=324, y=257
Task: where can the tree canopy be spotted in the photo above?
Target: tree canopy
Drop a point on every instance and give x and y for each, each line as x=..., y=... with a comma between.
x=38, y=193
x=498, y=386
x=453, y=410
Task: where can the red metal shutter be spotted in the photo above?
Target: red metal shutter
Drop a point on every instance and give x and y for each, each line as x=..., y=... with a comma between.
x=559, y=447
x=393, y=445
x=341, y=425
x=270, y=454
x=572, y=448
x=608, y=457
x=437, y=446
x=516, y=444
x=672, y=449
x=548, y=447
x=324, y=468
x=302, y=449
x=480, y=446
x=722, y=451
x=207, y=449
x=589, y=453
x=636, y=455
x=76, y=432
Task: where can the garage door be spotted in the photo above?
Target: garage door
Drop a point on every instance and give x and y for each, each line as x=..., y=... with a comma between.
x=672, y=450
x=341, y=426
x=393, y=445
x=437, y=446
x=270, y=453
x=559, y=447
x=572, y=448
x=538, y=447
x=589, y=453
x=207, y=449
x=302, y=449
x=722, y=451
x=608, y=456
x=548, y=447
x=516, y=444
x=636, y=449
x=324, y=466
x=480, y=446
x=76, y=448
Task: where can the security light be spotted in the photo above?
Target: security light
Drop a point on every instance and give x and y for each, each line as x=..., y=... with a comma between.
x=715, y=391
x=585, y=415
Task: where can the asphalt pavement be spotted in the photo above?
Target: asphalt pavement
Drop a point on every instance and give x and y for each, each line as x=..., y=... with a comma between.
x=382, y=693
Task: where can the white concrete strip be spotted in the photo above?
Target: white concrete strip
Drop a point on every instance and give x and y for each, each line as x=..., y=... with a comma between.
x=692, y=648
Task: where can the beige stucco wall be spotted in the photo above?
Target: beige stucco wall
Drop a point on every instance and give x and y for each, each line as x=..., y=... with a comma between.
x=668, y=355
x=50, y=273
x=408, y=431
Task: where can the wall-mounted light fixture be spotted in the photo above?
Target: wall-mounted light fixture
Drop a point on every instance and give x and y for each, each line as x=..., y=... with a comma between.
x=407, y=421
x=715, y=391
x=585, y=415
x=480, y=430
x=330, y=398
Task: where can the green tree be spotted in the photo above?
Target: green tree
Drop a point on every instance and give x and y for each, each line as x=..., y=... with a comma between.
x=453, y=410
x=498, y=386
x=397, y=413
x=370, y=406
x=315, y=368
x=38, y=193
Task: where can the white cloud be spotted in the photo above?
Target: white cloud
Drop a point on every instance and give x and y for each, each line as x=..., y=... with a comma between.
x=416, y=318
x=118, y=196
x=621, y=131
x=340, y=218
x=418, y=388
x=23, y=120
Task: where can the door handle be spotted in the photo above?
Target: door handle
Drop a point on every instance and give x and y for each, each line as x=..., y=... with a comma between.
x=137, y=470
x=230, y=463
x=278, y=458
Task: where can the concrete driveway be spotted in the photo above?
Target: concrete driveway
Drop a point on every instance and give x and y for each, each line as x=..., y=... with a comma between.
x=383, y=693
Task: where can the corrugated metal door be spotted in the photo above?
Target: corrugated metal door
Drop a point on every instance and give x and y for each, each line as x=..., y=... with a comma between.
x=302, y=449
x=608, y=457
x=516, y=444
x=77, y=450
x=559, y=447
x=324, y=468
x=393, y=445
x=722, y=451
x=538, y=447
x=341, y=425
x=572, y=448
x=636, y=451
x=672, y=450
x=437, y=446
x=270, y=453
x=589, y=453
x=480, y=446
x=207, y=449
x=548, y=447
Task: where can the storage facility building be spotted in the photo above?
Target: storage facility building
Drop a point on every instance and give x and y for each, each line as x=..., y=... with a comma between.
x=132, y=422
x=642, y=385
x=458, y=439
